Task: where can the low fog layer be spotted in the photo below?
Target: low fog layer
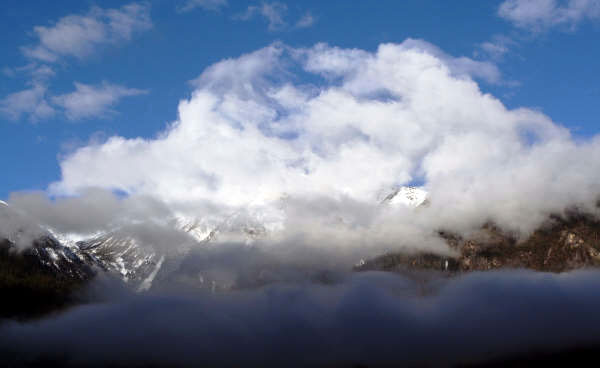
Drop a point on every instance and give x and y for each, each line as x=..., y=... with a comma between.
x=368, y=318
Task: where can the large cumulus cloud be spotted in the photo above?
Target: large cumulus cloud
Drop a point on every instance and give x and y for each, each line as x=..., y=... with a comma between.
x=326, y=121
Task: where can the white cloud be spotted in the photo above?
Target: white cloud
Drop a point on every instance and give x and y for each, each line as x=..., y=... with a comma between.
x=306, y=21
x=42, y=72
x=497, y=47
x=85, y=101
x=204, y=4
x=80, y=35
x=37, y=72
x=494, y=49
x=93, y=101
x=251, y=132
x=30, y=102
x=273, y=12
x=73, y=36
x=335, y=61
x=540, y=15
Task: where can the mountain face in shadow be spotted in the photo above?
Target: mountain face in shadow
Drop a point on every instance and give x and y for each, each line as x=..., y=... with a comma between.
x=40, y=279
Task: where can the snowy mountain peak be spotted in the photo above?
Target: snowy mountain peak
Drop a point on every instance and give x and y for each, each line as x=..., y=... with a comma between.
x=407, y=196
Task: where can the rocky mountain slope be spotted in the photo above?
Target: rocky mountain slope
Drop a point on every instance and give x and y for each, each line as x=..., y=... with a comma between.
x=39, y=279
x=21, y=235
x=562, y=244
x=141, y=265
x=37, y=274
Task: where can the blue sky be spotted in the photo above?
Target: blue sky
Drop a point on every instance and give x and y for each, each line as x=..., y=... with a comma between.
x=138, y=68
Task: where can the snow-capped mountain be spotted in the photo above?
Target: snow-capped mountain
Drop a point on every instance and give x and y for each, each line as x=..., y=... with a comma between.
x=139, y=264
x=128, y=257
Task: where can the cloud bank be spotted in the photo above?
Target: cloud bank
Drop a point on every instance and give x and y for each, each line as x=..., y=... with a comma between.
x=372, y=319
x=254, y=130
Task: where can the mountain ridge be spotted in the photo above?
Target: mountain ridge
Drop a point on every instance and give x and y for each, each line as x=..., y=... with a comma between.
x=562, y=244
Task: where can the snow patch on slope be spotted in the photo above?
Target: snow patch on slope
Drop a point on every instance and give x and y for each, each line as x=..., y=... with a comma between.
x=147, y=283
x=407, y=196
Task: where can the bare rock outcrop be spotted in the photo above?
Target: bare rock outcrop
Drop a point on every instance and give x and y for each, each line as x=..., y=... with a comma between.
x=561, y=244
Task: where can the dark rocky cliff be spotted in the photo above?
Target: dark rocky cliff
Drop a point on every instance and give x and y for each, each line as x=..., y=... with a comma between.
x=40, y=279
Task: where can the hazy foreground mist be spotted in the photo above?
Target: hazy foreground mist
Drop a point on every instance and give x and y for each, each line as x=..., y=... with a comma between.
x=368, y=318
